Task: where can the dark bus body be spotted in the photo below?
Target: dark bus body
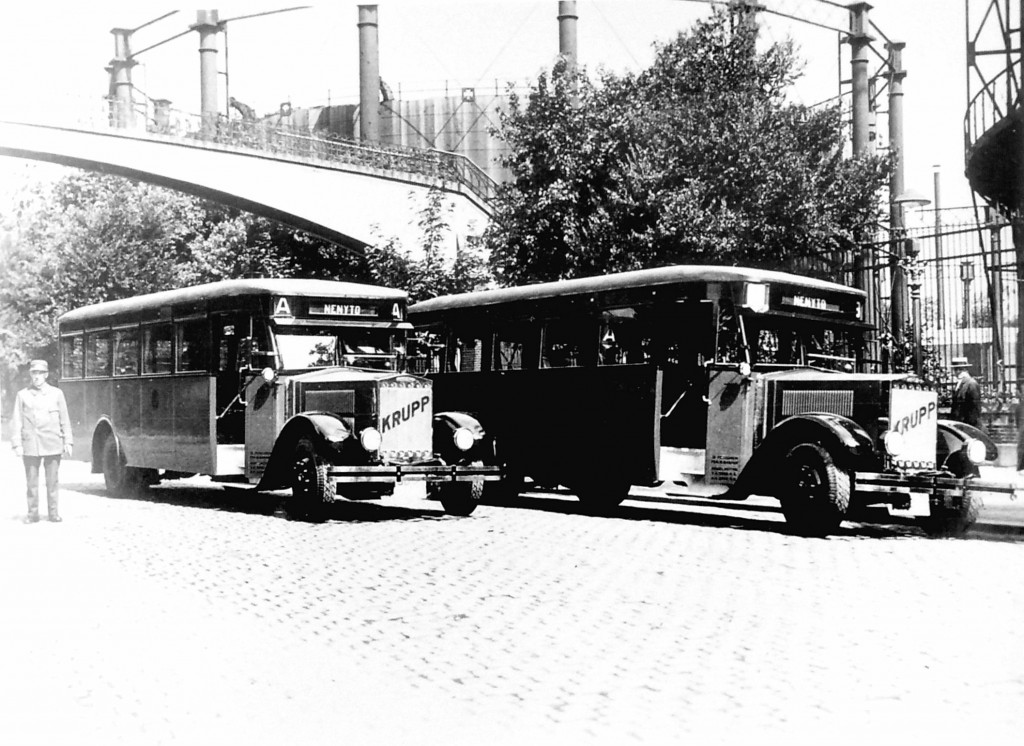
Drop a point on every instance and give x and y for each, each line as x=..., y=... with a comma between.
x=271, y=383
x=725, y=380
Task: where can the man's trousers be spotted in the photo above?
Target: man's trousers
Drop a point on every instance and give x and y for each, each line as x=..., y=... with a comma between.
x=50, y=466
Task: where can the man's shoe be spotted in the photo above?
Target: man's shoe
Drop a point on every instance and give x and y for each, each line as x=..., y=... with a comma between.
x=55, y=519
x=31, y=519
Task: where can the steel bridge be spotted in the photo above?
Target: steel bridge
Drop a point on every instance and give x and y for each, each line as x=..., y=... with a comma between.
x=336, y=189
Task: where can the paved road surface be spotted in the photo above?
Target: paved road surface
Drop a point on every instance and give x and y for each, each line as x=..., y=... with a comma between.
x=200, y=616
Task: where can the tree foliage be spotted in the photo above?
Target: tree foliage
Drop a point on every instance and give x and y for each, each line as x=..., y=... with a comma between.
x=432, y=271
x=697, y=159
x=89, y=237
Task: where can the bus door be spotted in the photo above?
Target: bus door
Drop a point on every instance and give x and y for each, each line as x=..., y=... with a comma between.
x=228, y=331
x=686, y=333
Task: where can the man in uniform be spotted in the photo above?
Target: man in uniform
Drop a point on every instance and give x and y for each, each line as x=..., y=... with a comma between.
x=966, y=394
x=41, y=434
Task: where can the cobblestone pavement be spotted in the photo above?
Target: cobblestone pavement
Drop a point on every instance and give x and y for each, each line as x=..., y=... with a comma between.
x=200, y=615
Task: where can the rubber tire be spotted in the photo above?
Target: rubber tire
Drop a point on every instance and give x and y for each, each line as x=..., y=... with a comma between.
x=120, y=480
x=459, y=498
x=951, y=522
x=312, y=489
x=601, y=494
x=814, y=492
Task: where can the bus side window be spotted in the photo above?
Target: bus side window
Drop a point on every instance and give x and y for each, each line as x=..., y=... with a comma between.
x=192, y=345
x=126, y=352
x=465, y=354
x=157, y=346
x=624, y=338
x=72, y=355
x=568, y=343
x=97, y=353
x=516, y=347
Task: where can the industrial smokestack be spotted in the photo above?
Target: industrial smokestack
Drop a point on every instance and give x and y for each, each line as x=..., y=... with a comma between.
x=208, y=25
x=369, y=74
x=567, y=33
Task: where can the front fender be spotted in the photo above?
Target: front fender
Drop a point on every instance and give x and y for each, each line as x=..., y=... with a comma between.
x=446, y=423
x=849, y=445
x=328, y=433
x=951, y=439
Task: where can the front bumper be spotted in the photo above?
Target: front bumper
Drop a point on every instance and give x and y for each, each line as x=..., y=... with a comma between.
x=413, y=473
x=939, y=485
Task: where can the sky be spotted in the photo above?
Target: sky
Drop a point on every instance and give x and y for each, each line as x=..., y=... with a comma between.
x=54, y=56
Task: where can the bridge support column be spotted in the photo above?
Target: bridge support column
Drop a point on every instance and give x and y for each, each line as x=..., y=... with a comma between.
x=122, y=105
x=208, y=25
x=369, y=74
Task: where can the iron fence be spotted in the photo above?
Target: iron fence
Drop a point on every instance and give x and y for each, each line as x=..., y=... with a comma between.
x=967, y=306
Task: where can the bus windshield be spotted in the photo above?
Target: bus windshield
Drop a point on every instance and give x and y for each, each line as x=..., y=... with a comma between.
x=311, y=348
x=787, y=342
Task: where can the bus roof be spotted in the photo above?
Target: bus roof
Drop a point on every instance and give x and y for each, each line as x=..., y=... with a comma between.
x=677, y=274
x=229, y=289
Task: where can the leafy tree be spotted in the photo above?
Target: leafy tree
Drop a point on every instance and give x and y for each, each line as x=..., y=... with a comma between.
x=430, y=273
x=699, y=158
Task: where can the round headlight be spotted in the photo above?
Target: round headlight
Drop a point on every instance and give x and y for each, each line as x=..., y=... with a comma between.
x=269, y=375
x=975, y=451
x=893, y=443
x=463, y=438
x=370, y=439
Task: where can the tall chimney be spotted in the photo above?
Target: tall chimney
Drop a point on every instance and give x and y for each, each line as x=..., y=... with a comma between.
x=567, y=33
x=369, y=74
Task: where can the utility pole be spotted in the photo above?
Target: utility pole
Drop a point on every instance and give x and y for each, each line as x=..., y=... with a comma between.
x=864, y=257
x=369, y=75
x=897, y=226
x=940, y=270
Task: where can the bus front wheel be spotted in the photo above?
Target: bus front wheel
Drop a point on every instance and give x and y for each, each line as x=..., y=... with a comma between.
x=312, y=488
x=459, y=498
x=814, y=492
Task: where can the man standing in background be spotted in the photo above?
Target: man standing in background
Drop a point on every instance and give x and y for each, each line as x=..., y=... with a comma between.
x=966, y=394
x=41, y=434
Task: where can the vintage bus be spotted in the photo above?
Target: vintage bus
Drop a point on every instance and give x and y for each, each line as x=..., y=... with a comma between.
x=270, y=383
x=724, y=380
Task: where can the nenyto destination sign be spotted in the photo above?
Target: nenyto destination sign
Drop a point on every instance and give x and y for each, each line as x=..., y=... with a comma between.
x=290, y=308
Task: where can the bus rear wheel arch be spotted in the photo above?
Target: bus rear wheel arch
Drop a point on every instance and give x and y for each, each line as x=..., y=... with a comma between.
x=120, y=479
x=814, y=492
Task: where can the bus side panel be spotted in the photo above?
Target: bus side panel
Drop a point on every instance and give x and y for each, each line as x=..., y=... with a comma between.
x=83, y=421
x=127, y=417
x=195, y=436
x=153, y=446
x=555, y=423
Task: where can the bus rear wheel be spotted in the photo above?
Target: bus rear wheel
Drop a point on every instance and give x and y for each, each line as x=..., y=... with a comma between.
x=601, y=492
x=814, y=492
x=312, y=488
x=120, y=479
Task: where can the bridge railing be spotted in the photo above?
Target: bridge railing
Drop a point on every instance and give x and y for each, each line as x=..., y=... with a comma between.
x=295, y=142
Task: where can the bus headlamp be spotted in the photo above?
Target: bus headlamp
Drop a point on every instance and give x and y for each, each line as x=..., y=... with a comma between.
x=975, y=450
x=893, y=443
x=463, y=438
x=269, y=374
x=370, y=439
